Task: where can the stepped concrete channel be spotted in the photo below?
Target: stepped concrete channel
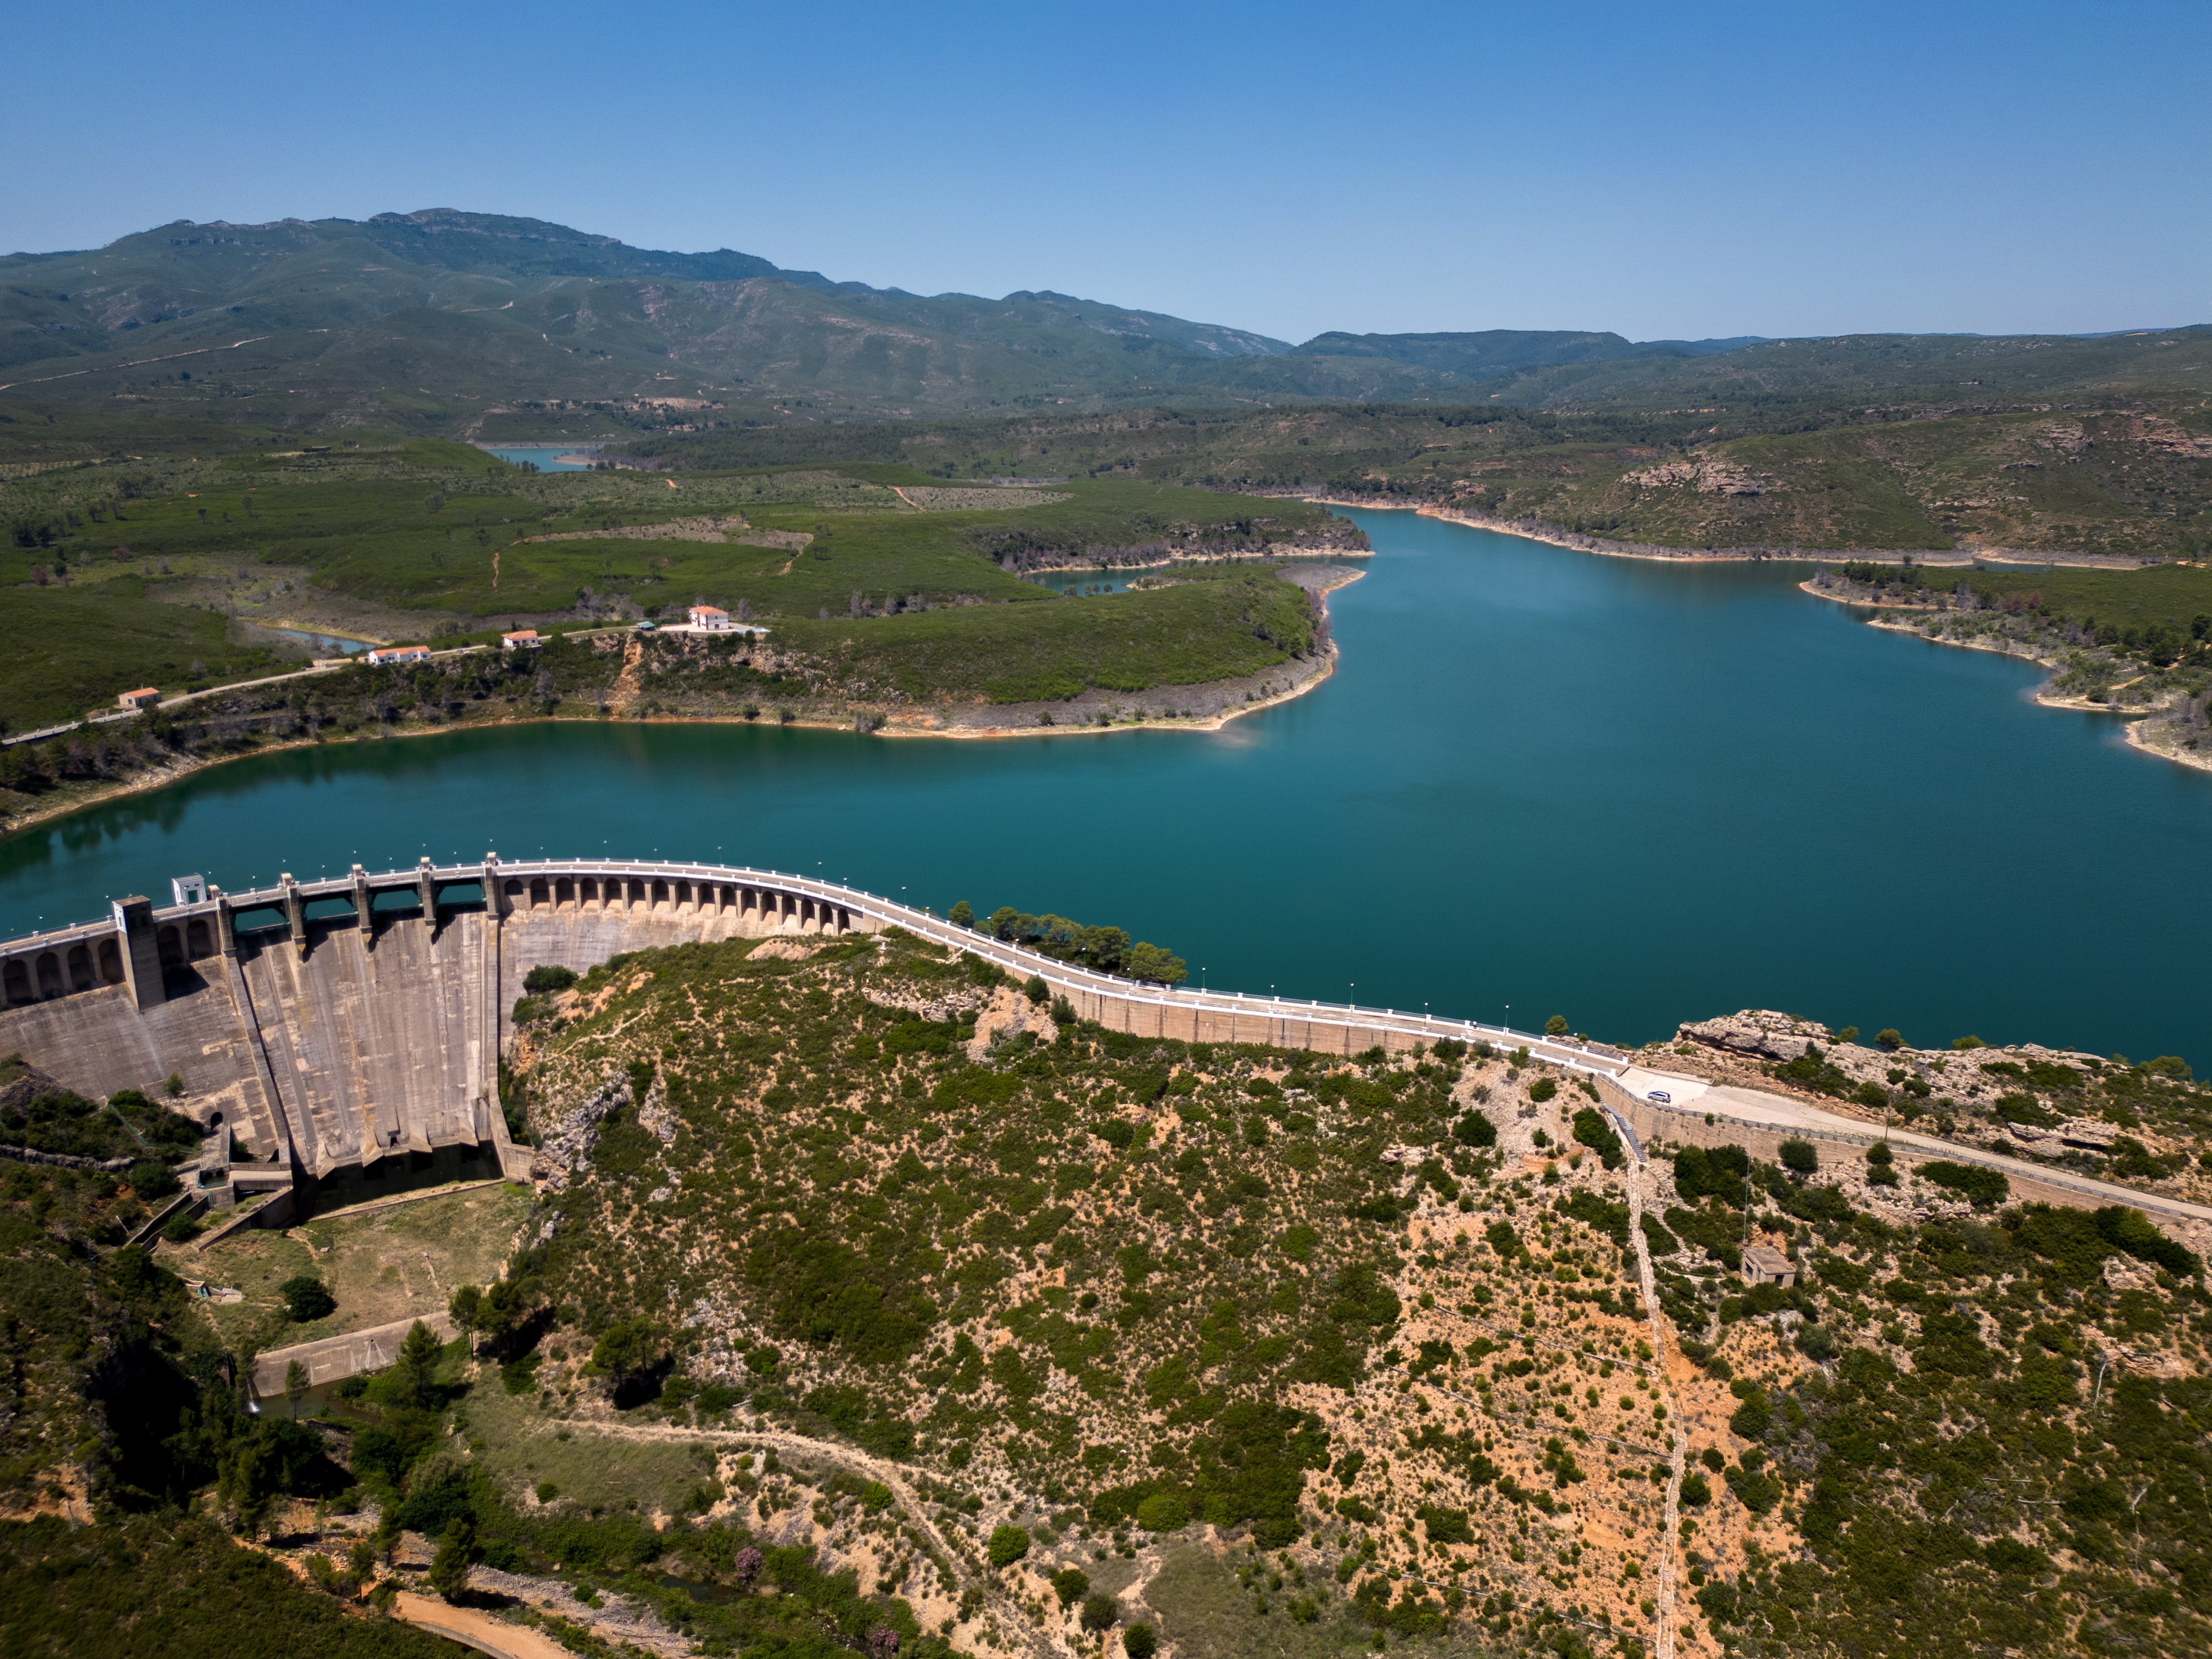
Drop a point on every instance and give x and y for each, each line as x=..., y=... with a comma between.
x=340, y=1039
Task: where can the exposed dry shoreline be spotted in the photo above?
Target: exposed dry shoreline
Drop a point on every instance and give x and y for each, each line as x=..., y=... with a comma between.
x=1957, y=558
x=1261, y=691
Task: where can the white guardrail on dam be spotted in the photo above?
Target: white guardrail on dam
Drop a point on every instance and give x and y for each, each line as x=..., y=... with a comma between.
x=676, y=889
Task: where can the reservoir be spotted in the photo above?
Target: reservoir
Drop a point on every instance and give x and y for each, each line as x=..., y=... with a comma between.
x=545, y=459
x=1629, y=792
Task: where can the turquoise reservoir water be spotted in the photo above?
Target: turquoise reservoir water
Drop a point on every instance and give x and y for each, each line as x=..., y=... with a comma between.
x=545, y=459
x=1628, y=792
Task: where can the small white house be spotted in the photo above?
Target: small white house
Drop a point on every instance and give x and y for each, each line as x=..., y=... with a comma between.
x=144, y=697
x=385, y=654
x=711, y=618
x=522, y=639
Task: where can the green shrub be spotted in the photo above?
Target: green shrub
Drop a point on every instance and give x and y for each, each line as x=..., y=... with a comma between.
x=307, y=1298
x=1752, y=1419
x=1799, y=1157
x=1116, y=1132
x=1071, y=1584
x=1697, y=1491
x=1138, y=1642
x=152, y=1181
x=1592, y=1131
x=1036, y=990
x=1162, y=1512
x=1543, y=1088
x=1446, y=1526
x=546, y=980
x=1008, y=1545
x=2131, y=1231
x=1556, y=1025
x=1474, y=1129
x=1981, y=1186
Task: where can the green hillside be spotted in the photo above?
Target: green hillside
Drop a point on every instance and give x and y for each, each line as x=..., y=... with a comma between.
x=480, y=325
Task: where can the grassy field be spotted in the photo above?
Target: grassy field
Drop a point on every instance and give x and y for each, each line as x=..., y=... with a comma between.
x=522, y=1448
x=154, y=572
x=1184, y=634
x=381, y=1265
x=74, y=648
x=2178, y=596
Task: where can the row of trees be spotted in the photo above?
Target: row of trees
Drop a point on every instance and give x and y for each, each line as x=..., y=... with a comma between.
x=1108, y=950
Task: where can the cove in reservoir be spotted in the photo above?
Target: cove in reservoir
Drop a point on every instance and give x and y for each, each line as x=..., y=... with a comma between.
x=1629, y=792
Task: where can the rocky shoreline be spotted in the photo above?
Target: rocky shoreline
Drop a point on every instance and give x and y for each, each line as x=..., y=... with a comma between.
x=2161, y=726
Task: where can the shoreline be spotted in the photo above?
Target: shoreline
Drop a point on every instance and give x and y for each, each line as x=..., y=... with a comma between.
x=1950, y=558
x=176, y=771
x=2134, y=719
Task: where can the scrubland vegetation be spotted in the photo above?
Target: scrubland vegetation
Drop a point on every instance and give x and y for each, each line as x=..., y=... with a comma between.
x=866, y=1277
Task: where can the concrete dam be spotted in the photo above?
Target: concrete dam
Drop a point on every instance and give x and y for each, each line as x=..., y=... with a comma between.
x=339, y=1039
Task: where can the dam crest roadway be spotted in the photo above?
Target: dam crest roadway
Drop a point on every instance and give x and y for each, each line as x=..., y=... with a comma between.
x=340, y=1039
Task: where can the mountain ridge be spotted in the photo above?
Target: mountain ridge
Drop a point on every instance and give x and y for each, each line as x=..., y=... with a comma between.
x=461, y=323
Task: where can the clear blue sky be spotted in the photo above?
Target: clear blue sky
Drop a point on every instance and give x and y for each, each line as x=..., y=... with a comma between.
x=1680, y=170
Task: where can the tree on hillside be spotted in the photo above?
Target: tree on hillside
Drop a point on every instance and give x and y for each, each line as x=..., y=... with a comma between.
x=296, y=1385
x=414, y=1372
x=449, y=1567
x=307, y=1298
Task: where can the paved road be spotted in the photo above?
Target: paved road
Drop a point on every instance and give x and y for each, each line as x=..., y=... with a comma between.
x=1726, y=1100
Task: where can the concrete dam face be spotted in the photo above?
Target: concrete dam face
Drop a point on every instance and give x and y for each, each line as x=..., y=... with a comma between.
x=339, y=1039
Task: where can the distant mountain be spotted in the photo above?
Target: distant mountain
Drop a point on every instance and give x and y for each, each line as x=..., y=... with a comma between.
x=472, y=323
x=1478, y=357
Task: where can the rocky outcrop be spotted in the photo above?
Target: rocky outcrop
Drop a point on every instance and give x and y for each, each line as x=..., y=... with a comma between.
x=1761, y=1033
x=566, y=1149
x=1711, y=474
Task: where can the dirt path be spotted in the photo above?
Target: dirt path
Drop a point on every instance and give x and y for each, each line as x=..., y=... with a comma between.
x=1012, y=1621
x=474, y=1628
x=1670, y=1541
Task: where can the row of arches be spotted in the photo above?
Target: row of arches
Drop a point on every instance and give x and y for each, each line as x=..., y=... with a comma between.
x=45, y=975
x=64, y=970
x=675, y=896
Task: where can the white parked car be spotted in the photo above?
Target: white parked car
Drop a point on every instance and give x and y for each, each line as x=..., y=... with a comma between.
x=1662, y=1096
